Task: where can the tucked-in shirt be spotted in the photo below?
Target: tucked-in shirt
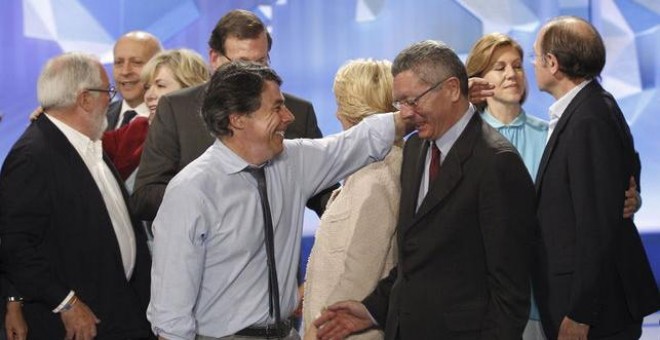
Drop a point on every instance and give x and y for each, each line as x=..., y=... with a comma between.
x=557, y=108
x=444, y=143
x=92, y=154
x=528, y=135
x=209, y=273
x=142, y=110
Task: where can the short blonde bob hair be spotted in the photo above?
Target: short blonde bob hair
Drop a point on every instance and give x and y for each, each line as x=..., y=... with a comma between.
x=187, y=66
x=363, y=87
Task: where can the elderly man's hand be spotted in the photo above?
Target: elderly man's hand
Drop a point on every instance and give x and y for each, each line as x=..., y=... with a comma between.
x=342, y=319
x=79, y=322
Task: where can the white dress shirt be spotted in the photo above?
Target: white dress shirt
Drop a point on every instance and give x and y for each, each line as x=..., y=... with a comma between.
x=209, y=273
x=557, y=108
x=92, y=154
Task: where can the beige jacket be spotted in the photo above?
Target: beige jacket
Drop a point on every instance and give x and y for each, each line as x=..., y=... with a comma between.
x=355, y=243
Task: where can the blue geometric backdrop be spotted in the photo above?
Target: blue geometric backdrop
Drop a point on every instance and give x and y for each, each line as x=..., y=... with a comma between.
x=313, y=38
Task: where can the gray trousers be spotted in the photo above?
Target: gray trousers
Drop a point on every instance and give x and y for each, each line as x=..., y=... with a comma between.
x=292, y=336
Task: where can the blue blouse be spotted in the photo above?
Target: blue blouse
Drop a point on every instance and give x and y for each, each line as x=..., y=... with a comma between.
x=528, y=135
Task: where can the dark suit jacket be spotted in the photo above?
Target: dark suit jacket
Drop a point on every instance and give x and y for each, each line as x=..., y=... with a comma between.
x=464, y=256
x=113, y=114
x=592, y=265
x=57, y=236
x=178, y=135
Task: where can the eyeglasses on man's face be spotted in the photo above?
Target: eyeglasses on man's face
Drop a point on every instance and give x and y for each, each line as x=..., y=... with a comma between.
x=111, y=91
x=412, y=103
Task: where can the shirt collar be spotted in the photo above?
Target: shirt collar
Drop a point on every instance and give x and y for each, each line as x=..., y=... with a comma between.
x=496, y=123
x=88, y=149
x=231, y=162
x=141, y=110
x=447, y=140
x=557, y=108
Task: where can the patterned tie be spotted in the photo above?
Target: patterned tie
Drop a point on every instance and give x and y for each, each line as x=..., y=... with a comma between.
x=434, y=165
x=128, y=115
x=273, y=287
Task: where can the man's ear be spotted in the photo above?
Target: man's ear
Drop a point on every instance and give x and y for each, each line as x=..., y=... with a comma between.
x=552, y=62
x=237, y=121
x=215, y=58
x=85, y=100
x=454, y=86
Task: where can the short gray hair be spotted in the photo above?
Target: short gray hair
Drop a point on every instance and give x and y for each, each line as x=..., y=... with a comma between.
x=65, y=76
x=432, y=61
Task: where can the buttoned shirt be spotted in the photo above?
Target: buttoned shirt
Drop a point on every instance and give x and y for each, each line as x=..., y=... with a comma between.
x=444, y=143
x=91, y=153
x=557, y=108
x=209, y=272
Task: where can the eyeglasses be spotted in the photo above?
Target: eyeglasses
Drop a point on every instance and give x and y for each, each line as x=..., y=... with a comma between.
x=412, y=103
x=111, y=91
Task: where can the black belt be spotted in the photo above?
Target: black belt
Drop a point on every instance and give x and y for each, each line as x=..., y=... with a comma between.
x=276, y=331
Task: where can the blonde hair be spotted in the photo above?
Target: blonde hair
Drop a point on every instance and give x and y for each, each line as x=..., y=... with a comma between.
x=187, y=66
x=479, y=61
x=363, y=87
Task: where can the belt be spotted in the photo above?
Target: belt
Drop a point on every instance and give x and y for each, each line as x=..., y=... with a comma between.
x=275, y=331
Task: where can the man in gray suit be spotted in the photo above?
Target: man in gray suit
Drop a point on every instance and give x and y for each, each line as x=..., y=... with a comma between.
x=178, y=135
x=131, y=52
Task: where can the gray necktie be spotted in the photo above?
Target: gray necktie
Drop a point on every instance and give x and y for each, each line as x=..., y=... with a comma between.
x=273, y=287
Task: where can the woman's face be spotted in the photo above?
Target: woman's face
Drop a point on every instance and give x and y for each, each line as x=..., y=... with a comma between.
x=162, y=83
x=507, y=73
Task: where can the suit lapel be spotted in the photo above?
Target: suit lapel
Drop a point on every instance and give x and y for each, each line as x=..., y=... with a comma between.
x=561, y=125
x=450, y=172
x=411, y=177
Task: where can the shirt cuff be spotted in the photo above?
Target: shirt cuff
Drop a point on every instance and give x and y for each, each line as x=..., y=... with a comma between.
x=66, y=300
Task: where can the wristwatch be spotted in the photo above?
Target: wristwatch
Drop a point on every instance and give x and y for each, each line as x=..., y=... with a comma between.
x=14, y=299
x=67, y=306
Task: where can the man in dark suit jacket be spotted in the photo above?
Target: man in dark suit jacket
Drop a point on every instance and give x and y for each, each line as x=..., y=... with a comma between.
x=178, y=135
x=464, y=237
x=593, y=276
x=69, y=246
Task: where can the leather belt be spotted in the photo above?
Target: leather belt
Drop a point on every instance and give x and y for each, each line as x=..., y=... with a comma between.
x=275, y=331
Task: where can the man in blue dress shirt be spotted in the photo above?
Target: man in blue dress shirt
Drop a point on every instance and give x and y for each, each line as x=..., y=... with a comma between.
x=210, y=272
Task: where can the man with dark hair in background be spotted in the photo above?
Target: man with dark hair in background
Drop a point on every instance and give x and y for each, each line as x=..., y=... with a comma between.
x=178, y=135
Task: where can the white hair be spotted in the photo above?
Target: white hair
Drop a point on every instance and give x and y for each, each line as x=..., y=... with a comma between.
x=65, y=76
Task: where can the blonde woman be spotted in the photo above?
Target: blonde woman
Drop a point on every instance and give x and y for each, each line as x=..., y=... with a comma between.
x=355, y=243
